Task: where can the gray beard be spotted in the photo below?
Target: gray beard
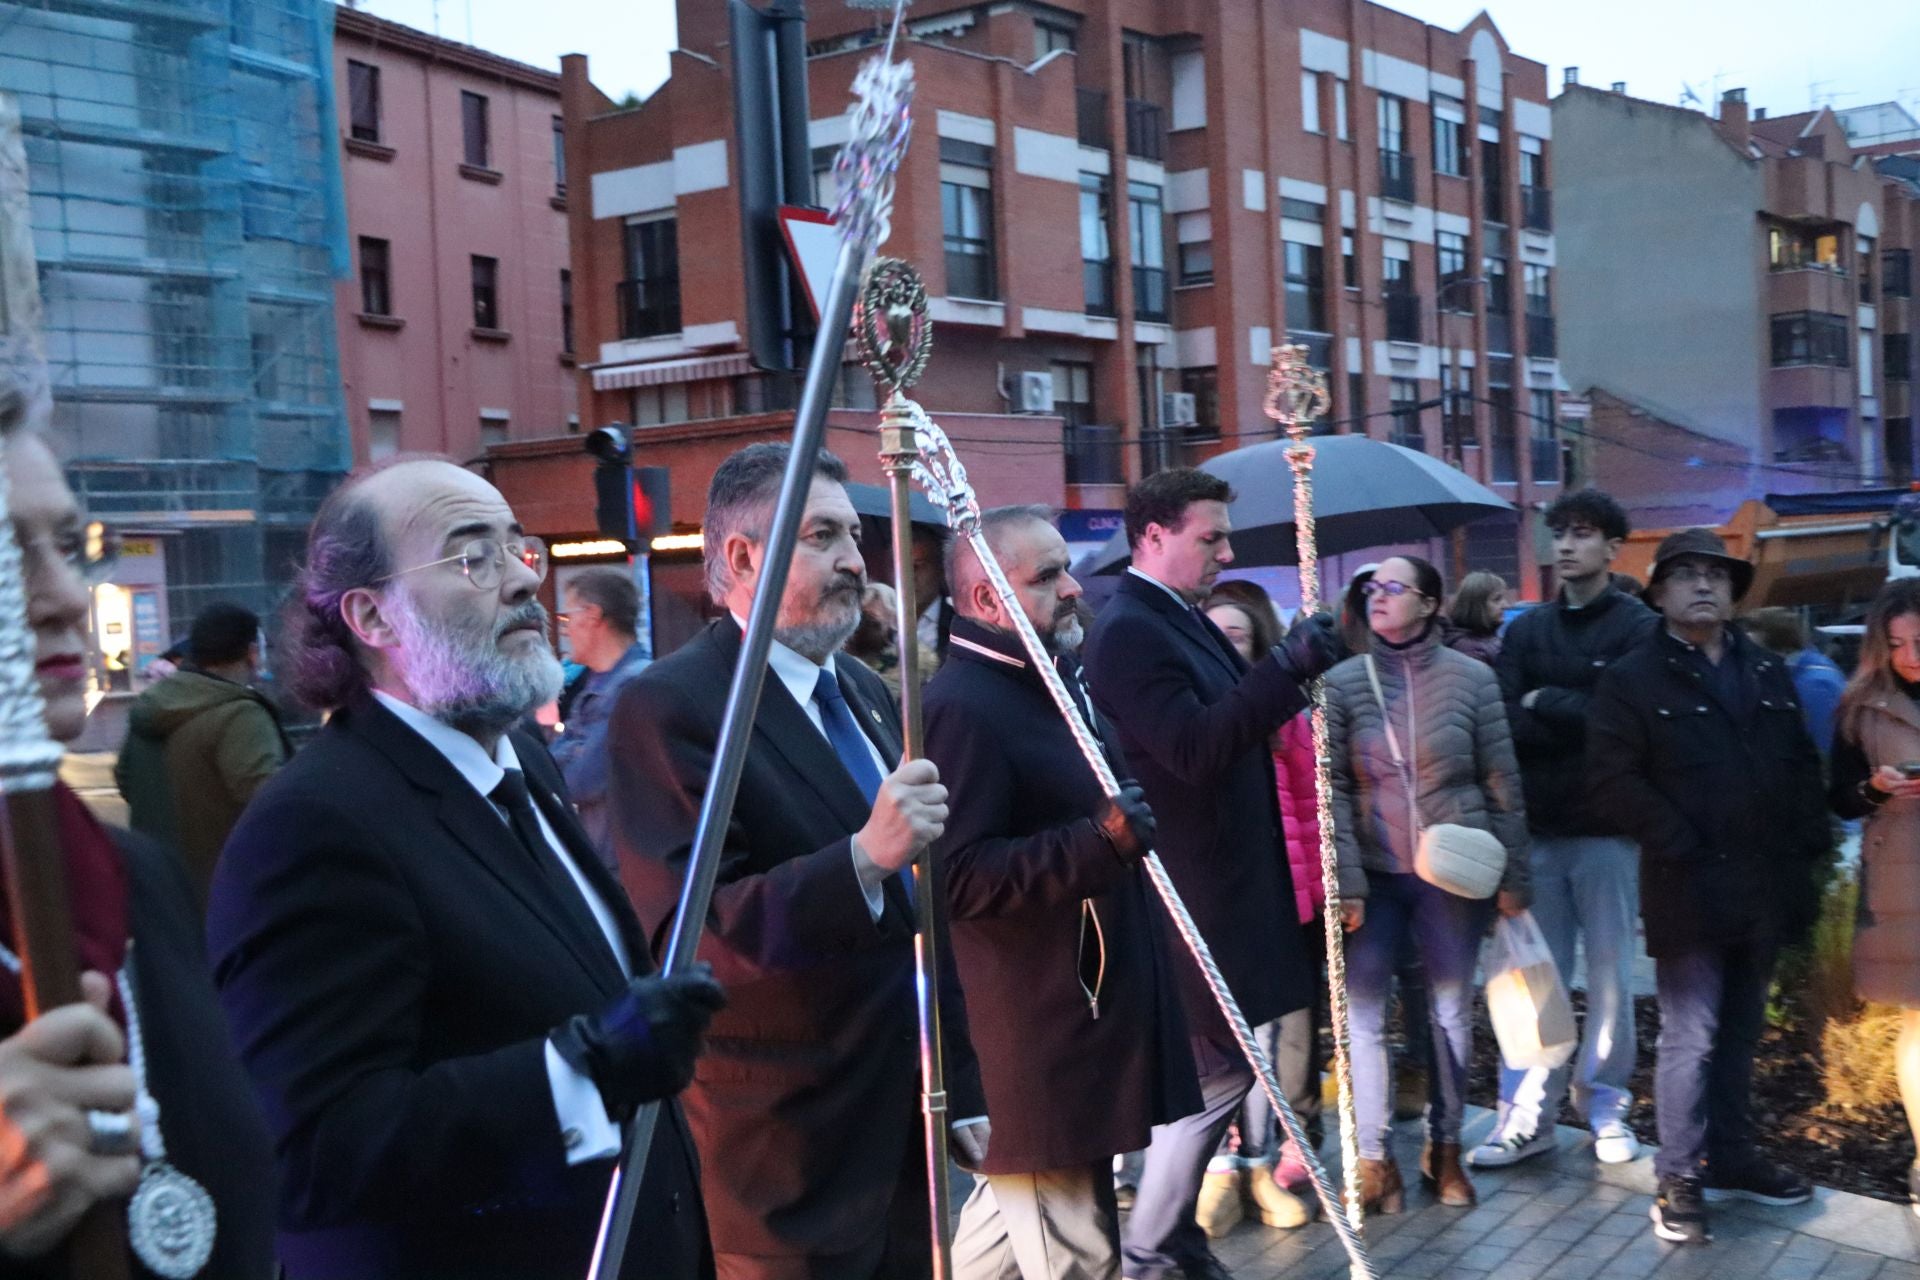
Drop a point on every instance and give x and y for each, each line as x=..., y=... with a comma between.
x=820, y=638
x=464, y=680
x=1068, y=636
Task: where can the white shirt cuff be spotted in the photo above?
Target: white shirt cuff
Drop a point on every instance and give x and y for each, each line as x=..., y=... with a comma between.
x=585, y=1130
x=969, y=1122
x=871, y=876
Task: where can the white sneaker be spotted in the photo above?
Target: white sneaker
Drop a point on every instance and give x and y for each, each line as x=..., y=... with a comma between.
x=1614, y=1143
x=1501, y=1150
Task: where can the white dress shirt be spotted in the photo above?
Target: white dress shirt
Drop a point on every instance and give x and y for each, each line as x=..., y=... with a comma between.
x=584, y=1125
x=800, y=674
x=1147, y=577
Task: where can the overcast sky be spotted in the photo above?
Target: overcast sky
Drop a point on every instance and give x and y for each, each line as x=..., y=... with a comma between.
x=1786, y=53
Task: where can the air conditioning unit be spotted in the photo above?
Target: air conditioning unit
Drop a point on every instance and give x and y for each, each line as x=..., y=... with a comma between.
x=1177, y=409
x=1036, y=393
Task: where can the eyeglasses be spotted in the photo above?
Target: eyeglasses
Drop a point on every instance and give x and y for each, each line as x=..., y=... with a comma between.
x=1376, y=587
x=90, y=550
x=484, y=559
x=1715, y=573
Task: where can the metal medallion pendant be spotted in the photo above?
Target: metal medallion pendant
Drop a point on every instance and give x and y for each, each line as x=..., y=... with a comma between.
x=170, y=1222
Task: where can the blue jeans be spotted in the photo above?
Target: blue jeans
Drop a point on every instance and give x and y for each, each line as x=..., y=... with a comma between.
x=1586, y=886
x=1447, y=930
x=1713, y=1007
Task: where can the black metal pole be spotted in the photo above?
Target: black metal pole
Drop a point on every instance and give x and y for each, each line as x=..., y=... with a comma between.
x=736, y=727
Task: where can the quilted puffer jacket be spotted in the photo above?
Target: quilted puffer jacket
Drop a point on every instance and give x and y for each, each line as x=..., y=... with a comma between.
x=1300, y=812
x=1453, y=734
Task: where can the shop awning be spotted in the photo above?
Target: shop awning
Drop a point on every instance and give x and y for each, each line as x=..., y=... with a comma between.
x=658, y=373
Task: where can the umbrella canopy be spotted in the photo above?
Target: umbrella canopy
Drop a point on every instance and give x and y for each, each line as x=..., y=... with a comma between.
x=876, y=502
x=1366, y=493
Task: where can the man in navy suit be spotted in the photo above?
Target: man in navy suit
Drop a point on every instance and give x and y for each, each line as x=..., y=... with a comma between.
x=1194, y=722
x=804, y=1110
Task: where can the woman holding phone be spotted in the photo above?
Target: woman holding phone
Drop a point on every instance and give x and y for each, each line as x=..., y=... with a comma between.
x=1876, y=775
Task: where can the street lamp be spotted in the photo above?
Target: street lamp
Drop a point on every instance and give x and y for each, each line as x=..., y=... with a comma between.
x=1440, y=350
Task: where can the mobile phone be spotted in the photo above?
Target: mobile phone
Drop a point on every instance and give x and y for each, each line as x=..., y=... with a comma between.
x=1909, y=769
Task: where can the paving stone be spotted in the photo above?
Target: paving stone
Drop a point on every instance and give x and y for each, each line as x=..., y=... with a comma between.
x=1851, y=1264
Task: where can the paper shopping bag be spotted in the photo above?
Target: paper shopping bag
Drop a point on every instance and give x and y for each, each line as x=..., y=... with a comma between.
x=1527, y=1002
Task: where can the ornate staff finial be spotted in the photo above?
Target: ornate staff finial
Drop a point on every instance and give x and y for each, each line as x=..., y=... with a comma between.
x=1296, y=392
x=892, y=325
x=879, y=128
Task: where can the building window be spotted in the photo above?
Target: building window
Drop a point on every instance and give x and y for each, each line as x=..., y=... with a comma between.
x=649, y=298
x=658, y=406
x=1302, y=210
x=1357, y=399
x=566, y=310
x=1310, y=102
x=1899, y=451
x=1349, y=269
x=1540, y=327
x=1340, y=109
x=1204, y=386
x=1506, y=445
x=1047, y=37
x=1544, y=433
x=1073, y=392
x=376, y=281
x=473, y=129
x=966, y=216
x=1452, y=249
x=1147, y=229
x=493, y=428
x=1536, y=201
x=559, y=157
x=1800, y=249
x=1896, y=273
x=1897, y=356
x=1456, y=410
x=1450, y=150
x=1306, y=289
x=1402, y=303
x=486, y=292
x=1493, y=181
x=1096, y=243
x=1194, y=231
x=1405, y=400
x=1392, y=115
x=1864, y=255
x=1810, y=337
x=1499, y=305
x=383, y=434
x=363, y=98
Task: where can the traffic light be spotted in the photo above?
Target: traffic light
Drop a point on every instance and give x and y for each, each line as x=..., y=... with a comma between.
x=630, y=503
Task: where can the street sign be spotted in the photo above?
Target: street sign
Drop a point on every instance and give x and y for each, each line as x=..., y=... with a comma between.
x=814, y=246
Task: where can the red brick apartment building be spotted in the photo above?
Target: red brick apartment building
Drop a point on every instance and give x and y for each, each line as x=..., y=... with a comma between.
x=1120, y=205
x=455, y=326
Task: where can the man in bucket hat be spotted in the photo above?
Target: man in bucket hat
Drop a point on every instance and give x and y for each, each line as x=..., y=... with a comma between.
x=1697, y=747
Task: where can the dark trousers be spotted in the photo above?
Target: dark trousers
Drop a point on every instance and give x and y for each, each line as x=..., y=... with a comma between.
x=1161, y=1233
x=1713, y=1006
x=902, y=1250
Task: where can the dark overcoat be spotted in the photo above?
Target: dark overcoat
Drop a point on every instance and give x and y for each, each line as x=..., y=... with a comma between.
x=1726, y=802
x=1194, y=722
x=1043, y=912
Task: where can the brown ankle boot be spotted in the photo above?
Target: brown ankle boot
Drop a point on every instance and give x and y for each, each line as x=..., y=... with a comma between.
x=1381, y=1190
x=1440, y=1170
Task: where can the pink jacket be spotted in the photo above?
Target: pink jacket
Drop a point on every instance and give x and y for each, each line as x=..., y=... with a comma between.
x=1300, y=813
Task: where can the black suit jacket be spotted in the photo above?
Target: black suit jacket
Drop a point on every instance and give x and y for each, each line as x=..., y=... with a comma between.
x=1194, y=721
x=1067, y=1082
x=391, y=962
x=805, y=1103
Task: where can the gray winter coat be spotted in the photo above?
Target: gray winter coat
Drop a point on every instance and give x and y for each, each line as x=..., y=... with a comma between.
x=1453, y=734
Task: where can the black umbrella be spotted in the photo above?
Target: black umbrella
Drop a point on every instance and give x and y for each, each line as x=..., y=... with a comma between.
x=1366, y=493
x=876, y=502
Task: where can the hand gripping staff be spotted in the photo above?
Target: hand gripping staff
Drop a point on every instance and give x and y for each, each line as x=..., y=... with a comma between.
x=864, y=171
x=940, y=472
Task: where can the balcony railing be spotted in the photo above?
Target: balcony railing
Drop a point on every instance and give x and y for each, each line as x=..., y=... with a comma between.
x=1396, y=175
x=1542, y=340
x=1093, y=455
x=1146, y=130
x=1150, y=294
x=1163, y=448
x=1403, y=317
x=1536, y=208
x=1090, y=109
x=648, y=308
x=1097, y=279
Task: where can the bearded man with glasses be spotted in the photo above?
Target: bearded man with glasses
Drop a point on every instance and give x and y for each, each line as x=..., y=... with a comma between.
x=442, y=997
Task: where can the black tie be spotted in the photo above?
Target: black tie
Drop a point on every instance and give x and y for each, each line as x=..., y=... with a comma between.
x=512, y=795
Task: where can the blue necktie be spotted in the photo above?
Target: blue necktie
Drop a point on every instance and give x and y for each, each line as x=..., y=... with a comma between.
x=849, y=743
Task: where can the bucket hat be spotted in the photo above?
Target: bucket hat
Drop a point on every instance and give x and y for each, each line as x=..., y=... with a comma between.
x=1706, y=544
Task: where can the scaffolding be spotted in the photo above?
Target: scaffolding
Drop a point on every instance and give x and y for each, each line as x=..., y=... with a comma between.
x=189, y=224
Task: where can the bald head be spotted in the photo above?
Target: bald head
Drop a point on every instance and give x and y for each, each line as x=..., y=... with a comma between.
x=1034, y=557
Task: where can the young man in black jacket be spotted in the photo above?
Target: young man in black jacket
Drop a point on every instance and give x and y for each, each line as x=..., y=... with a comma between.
x=1698, y=747
x=1585, y=871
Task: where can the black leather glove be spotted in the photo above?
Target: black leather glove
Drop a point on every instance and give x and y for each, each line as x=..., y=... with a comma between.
x=1127, y=823
x=1310, y=648
x=641, y=1047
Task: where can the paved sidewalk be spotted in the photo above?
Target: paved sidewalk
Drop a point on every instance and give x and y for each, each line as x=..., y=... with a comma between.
x=1568, y=1217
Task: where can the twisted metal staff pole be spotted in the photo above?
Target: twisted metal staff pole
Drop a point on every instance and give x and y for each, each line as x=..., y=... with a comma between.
x=945, y=480
x=1296, y=395
x=896, y=337
x=865, y=169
